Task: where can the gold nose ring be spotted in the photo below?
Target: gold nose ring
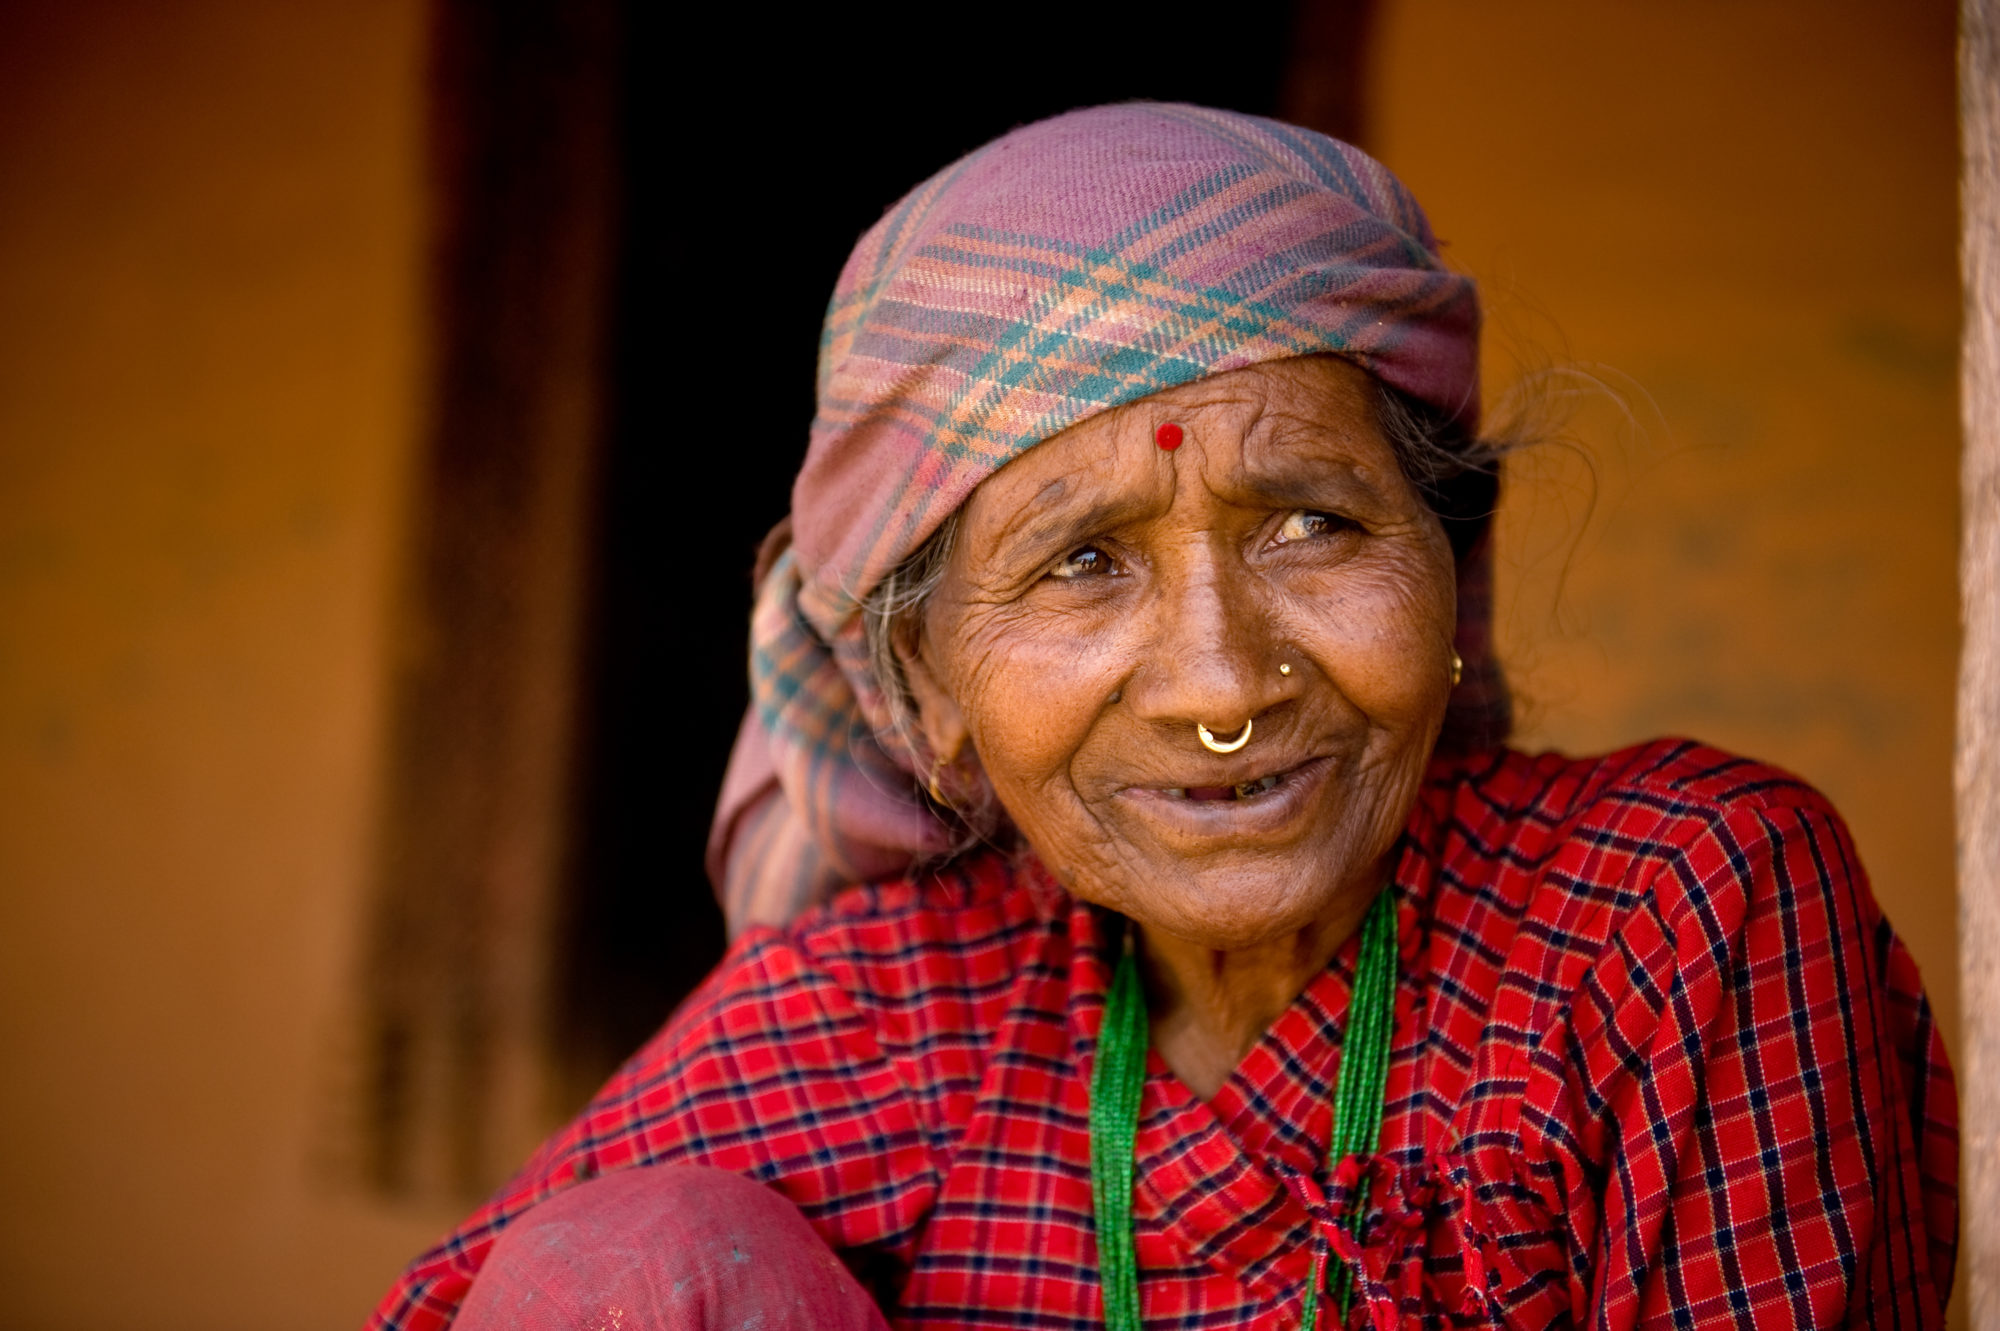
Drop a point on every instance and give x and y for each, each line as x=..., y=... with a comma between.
x=1214, y=745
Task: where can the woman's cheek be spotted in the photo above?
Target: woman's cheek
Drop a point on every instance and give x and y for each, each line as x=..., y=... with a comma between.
x=1382, y=636
x=1027, y=686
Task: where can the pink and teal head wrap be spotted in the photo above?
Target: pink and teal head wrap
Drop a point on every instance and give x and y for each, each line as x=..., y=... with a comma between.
x=1072, y=266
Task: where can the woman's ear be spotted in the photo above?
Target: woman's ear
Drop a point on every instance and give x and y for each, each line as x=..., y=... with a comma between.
x=938, y=716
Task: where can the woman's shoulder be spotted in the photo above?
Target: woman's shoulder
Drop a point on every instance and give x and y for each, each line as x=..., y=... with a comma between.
x=968, y=928
x=1614, y=896
x=1675, y=829
x=1669, y=780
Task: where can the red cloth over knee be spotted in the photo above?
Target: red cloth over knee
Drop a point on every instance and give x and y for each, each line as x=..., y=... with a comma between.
x=677, y=1248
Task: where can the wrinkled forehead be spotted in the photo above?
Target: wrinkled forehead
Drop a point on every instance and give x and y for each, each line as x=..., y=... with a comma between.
x=1290, y=432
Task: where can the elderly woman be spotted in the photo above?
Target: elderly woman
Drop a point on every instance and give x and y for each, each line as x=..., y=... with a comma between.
x=1215, y=965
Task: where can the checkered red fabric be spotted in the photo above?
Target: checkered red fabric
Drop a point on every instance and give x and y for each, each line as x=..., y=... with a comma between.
x=1659, y=1061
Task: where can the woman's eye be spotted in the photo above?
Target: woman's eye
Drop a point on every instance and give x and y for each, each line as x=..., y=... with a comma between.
x=1305, y=524
x=1087, y=562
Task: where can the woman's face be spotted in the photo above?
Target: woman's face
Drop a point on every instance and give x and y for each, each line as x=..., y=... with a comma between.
x=1105, y=595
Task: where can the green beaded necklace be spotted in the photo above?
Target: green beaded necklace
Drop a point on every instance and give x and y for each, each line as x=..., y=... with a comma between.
x=1120, y=1075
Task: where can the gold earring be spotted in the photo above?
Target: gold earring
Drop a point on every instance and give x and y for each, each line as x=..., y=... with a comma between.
x=1284, y=667
x=937, y=796
x=1457, y=669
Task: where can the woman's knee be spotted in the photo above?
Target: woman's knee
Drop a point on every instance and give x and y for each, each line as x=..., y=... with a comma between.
x=681, y=1247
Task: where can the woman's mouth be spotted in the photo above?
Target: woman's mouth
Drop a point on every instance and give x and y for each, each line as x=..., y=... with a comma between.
x=1245, y=790
x=1271, y=809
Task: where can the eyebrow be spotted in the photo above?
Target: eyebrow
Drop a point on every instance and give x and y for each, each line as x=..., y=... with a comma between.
x=1035, y=533
x=1306, y=482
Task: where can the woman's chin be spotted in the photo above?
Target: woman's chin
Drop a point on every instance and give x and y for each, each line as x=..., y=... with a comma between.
x=1239, y=911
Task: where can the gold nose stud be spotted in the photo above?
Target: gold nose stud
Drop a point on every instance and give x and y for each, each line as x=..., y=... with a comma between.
x=1284, y=667
x=1457, y=669
x=1214, y=745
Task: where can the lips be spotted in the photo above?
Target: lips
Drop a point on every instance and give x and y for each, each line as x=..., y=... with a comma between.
x=1268, y=808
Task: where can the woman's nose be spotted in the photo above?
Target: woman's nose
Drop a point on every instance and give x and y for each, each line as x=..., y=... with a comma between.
x=1215, y=651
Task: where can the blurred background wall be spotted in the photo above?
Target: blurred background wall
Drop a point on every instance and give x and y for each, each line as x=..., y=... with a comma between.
x=271, y=323
x=211, y=383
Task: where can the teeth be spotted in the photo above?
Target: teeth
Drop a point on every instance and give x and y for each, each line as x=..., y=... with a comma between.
x=1242, y=791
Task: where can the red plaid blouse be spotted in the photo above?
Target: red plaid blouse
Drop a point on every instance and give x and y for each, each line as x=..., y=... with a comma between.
x=1659, y=1061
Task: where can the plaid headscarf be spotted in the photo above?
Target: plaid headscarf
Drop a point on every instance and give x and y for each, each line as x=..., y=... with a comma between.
x=1072, y=266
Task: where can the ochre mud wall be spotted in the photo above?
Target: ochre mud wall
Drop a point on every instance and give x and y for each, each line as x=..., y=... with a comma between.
x=210, y=385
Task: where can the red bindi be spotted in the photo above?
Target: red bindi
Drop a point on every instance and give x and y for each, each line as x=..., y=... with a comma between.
x=1168, y=436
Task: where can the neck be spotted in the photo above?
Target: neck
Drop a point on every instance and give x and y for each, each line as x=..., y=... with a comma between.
x=1209, y=1007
